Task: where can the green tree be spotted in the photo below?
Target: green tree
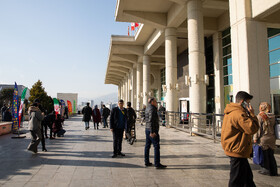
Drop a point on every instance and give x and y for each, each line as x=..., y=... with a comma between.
x=6, y=96
x=38, y=92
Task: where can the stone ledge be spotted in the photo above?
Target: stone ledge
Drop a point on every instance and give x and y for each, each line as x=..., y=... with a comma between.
x=5, y=128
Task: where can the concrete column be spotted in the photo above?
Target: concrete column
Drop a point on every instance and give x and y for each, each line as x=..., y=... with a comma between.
x=146, y=78
x=134, y=86
x=250, y=61
x=171, y=69
x=119, y=92
x=139, y=85
x=129, y=87
x=124, y=92
x=197, y=69
x=218, y=71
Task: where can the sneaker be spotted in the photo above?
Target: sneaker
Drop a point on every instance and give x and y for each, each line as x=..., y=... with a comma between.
x=160, y=166
x=121, y=154
x=149, y=164
x=51, y=138
x=114, y=156
x=44, y=149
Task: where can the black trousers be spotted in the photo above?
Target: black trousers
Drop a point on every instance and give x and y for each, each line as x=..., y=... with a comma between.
x=36, y=136
x=269, y=162
x=240, y=173
x=43, y=138
x=117, y=140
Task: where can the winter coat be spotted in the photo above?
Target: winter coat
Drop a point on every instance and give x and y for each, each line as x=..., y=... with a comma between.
x=87, y=112
x=114, y=118
x=35, y=118
x=105, y=112
x=265, y=136
x=96, y=116
x=7, y=116
x=237, y=131
x=151, y=117
x=131, y=116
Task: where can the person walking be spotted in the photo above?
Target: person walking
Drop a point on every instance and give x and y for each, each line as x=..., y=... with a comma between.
x=105, y=113
x=118, y=122
x=96, y=117
x=131, y=119
x=152, y=134
x=239, y=125
x=265, y=137
x=66, y=112
x=87, y=112
x=34, y=125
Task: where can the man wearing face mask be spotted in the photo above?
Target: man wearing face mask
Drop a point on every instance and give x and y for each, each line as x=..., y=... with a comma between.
x=239, y=125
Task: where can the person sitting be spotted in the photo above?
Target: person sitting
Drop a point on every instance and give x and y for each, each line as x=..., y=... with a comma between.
x=57, y=126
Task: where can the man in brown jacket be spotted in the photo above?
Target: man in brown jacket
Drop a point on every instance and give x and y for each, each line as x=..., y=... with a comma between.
x=239, y=125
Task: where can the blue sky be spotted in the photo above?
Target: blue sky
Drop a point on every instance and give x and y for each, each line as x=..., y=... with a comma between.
x=64, y=43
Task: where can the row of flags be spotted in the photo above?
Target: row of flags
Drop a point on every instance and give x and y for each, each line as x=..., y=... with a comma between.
x=132, y=27
x=17, y=109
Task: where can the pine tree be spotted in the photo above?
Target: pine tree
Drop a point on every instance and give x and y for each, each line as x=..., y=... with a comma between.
x=38, y=92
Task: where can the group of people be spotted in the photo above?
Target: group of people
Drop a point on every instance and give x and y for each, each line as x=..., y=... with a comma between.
x=39, y=123
x=96, y=115
x=124, y=118
x=241, y=128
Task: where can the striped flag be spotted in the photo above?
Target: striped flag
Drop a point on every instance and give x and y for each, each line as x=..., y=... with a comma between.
x=21, y=105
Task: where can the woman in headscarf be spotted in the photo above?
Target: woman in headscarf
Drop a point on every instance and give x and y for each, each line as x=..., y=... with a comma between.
x=265, y=137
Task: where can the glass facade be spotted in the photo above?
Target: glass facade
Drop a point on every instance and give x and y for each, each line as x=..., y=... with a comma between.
x=227, y=65
x=274, y=67
x=274, y=52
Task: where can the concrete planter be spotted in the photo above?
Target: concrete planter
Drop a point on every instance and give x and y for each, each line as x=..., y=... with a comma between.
x=5, y=128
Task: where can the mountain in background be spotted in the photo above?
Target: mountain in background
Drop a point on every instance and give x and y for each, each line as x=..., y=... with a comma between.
x=109, y=98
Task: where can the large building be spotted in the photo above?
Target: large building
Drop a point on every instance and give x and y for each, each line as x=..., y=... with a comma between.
x=195, y=55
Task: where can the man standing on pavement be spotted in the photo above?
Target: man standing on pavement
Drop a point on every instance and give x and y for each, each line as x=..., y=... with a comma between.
x=118, y=122
x=239, y=125
x=152, y=135
x=105, y=114
x=87, y=111
x=131, y=119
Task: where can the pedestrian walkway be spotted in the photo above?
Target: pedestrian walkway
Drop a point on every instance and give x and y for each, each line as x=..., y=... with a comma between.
x=83, y=158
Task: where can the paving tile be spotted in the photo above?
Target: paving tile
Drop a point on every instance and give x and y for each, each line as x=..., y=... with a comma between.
x=83, y=158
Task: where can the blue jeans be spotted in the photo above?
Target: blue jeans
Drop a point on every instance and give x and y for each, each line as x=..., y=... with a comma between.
x=105, y=124
x=86, y=124
x=155, y=142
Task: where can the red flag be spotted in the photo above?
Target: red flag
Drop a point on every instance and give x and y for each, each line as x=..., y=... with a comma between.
x=136, y=24
x=132, y=26
x=128, y=31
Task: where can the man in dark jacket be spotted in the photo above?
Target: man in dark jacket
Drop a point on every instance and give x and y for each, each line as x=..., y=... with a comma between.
x=131, y=119
x=105, y=114
x=87, y=111
x=239, y=125
x=152, y=136
x=118, y=122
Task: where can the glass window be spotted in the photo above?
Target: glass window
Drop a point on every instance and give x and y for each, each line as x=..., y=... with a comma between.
x=227, y=59
x=272, y=32
x=274, y=43
x=274, y=56
x=275, y=70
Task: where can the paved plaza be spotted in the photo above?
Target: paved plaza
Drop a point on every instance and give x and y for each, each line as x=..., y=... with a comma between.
x=83, y=158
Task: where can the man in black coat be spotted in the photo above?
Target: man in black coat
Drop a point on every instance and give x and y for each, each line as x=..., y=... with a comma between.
x=105, y=114
x=152, y=136
x=87, y=111
x=131, y=119
x=118, y=122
